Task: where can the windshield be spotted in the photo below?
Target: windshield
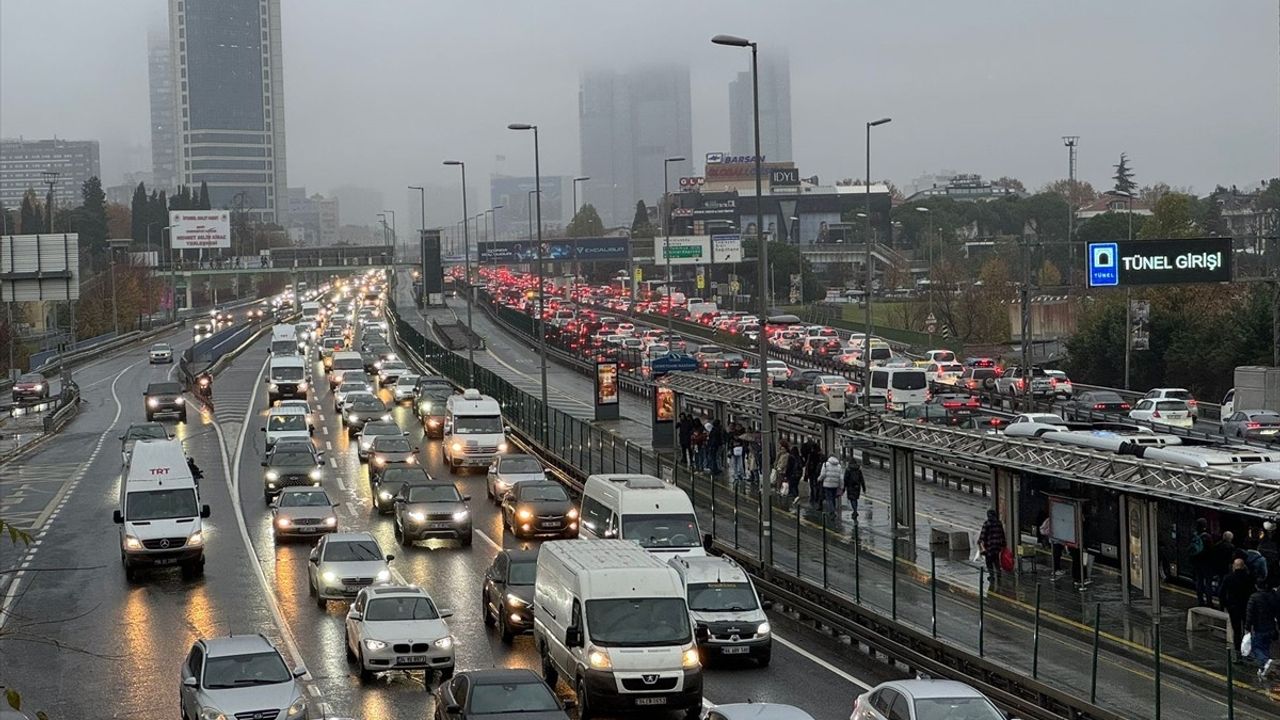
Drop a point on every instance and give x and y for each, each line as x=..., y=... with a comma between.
x=161, y=504
x=1105, y=397
x=368, y=406
x=352, y=387
x=392, y=444
x=352, y=551
x=160, y=347
x=517, y=698
x=232, y=671
x=31, y=378
x=291, y=421
x=638, y=622
x=434, y=494
x=401, y=608
x=146, y=432
x=477, y=424
x=1178, y=394
x=908, y=380
x=974, y=708
x=721, y=597
x=519, y=465
x=292, y=457
x=1171, y=405
x=522, y=573
x=285, y=347
x=348, y=364
x=286, y=373
x=164, y=389
x=661, y=531
x=315, y=498
x=541, y=491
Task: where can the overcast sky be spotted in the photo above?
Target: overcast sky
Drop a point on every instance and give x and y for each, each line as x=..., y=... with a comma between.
x=377, y=92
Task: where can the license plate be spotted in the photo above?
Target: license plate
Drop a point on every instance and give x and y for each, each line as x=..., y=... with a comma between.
x=1267, y=432
x=411, y=659
x=352, y=589
x=552, y=523
x=736, y=650
x=660, y=700
x=166, y=561
x=437, y=526
x=307, y=529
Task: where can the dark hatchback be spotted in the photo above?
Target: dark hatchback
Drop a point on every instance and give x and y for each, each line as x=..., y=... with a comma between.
x=291, y=463
x=387, y=485
x=498, y=695
x=539, y=508
x=507, y=597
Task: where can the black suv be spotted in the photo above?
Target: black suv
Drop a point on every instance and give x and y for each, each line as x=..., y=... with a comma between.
x=387, y=485
x=165, y=398
x=291, y=463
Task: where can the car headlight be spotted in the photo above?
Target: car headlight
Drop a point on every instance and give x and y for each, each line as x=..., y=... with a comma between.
x=297, y=709
x=416, y=516
x=411, y=459
x=383, y=575
x=460, y=516
x=329, y=576
x=572, y=514
x=502, y=447
x=424, y=407
x=386, y=418
x=283, y=522
x=379, y=460
x=444, y=643
x=38, y=387
x=314, y=474
x=599, y=659
x=196, y=539
x=273, y=475
x=515, y=601
x=689, y=658
x=456, y=447
x=132, y=543
x=384, y=495
x=152, y=402
x=331, y=521
x=366, y=444
x=274, y=387
x=762, y=628
x=374, y=644
x=524, y=514
x=212, y=714
x=302, y=386
x=378, y=364
x=353, y=417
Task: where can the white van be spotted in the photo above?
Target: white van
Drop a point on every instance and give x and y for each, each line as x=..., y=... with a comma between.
x=160, y=512
x=643, y=509
x=311, y=314
x=287, y=422
x=727, y=611
x=896, y=388
x=344, y=362
x=287, y=377
x=284, y=339
x=612, y=619
x=473, y=430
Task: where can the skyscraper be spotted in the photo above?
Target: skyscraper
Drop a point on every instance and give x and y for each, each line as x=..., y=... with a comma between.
x=23, y=164
x=629, y=123
x=775, y=110
x=228, y=72
x=164, y=105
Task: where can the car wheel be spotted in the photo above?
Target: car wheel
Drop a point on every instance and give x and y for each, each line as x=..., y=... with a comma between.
x=346, y=643
x=507, y=633
x=150, y=417
x=266, y=496
x=466, y=539
x=763, y=660
x=366, y=675
x=320, y=601
x=549, y=673
x=693, y=713
x=130, y=573
x=401, y=538
x=446, y=673
x=585, y=711
x=183, y=417
x=484, y=610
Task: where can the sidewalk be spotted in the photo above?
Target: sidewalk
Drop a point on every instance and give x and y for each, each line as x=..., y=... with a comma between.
x=18, y=432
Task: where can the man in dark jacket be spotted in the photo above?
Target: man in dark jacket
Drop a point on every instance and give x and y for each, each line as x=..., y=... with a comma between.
x=1270, y=551
x=1224, y=551
x=685, y=430
x=1262, y=619
x=1237, y=587
x=991, y=542
x=813, y=459
x=1202, y=563
x=854, y=484
x=795, y=469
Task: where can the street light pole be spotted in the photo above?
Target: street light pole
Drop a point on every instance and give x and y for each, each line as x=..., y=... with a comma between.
x=542, y=333
x=762, y=281
x=866, y=341
x=929, y=272
x=666, y=230
x=392, y=213
x=466, y=274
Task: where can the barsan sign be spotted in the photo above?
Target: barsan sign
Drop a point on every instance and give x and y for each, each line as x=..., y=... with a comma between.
x=1159, y=262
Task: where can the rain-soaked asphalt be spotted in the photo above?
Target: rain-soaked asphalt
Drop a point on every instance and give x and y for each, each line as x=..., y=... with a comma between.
x=81, y=642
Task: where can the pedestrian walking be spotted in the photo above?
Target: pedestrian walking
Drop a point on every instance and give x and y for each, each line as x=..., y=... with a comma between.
x=991, y=542
x=1234, y=595
x=795, y=472
x=738, y=457
x=778, y=473
x=855, y=483
x=1270, y=550
x=831, y=477
x=813, y=459
x=715, y=446
x=1224, y=551
x=1202, y=563
x=698, y=441
x=1262, y=622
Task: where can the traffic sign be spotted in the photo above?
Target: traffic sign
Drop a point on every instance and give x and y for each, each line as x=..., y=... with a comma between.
x=1103, y=267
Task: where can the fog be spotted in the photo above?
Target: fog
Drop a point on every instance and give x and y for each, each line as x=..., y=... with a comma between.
x=378, y=92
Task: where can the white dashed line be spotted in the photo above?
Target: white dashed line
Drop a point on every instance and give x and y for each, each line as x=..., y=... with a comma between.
x=483, y=536
x=810, y=656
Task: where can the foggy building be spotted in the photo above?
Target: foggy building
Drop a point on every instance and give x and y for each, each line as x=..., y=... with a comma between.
x=775, y=110
x=228, y=71
x=24, y=162
x=164, y=105
x=629, y=122
x=313, y=219
x=512, y=193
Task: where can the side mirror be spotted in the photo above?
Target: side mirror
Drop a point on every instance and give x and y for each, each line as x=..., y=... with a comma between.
x=766, y=604
x=506, y=429
x=264, y=463
x=390, y=558
x=573, y=636
x=354, y=615
x=204, y=511
x=453, y=708
x=122, y=438
x=189, y=682
x=701, y=633
x=262, y=429
x=707, y=540
x=117, y=517
x=466, y=498
x=311, y=429
x=299, y=671
x=446, y=613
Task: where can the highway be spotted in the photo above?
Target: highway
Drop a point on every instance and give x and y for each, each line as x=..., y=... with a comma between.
x=74, y=621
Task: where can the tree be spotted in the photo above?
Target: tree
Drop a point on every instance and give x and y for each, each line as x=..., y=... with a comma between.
x=640, y=225
x=1172, y=217
x=202, y=202
x=1109, y=226
x=1011, y=183
x=32, y=213
x=586, y=223
x=785, y=260
x=1124, y=176
x=1078, y=193
x=1049, y=275
x=92, y=224
x=138, y=214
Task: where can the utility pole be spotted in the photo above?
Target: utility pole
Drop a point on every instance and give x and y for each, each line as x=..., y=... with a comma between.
x=1025, y=298
x=1071, y=141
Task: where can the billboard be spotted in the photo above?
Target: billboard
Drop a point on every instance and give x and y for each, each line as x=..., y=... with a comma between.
x=562, y=249
x=199, y=229
x=1159, y=262
x=697, y=249
x=512, y=193
x=39, y=267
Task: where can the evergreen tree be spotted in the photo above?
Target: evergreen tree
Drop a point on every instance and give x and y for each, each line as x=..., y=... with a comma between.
x=203, y=203
x=640, y=225
x=92, y=221
x=586, y=223
x=32, y=213
x=138, y=214
x=1124, y=176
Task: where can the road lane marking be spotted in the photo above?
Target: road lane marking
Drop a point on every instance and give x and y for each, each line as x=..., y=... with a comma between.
x=485, y=537
x=328, y=445
x=324, y=429
x=815, y=659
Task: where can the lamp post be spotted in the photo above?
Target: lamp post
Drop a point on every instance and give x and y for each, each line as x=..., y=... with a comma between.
x=466, y=272
x=929, y=274
x=492, y=233
x=392, y=213
x=762, y=280
x=529, y=204
x=382, y=220
x=866, y=341
x=542, y=333
x=666, y=228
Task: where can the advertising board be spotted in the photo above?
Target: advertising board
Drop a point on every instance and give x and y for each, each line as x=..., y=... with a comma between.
x=199, y=229
x=1125, y=263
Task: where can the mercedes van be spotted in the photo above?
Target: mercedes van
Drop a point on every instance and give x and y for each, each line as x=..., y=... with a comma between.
x=287, y=378
x=284, y=340
x=612, y=620
x=159, y=512
x=287, y=422
x=643, y=509
x=473, y=431
x=896, y=388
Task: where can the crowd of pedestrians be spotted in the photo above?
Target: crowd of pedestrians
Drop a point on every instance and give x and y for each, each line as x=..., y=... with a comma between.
x=1245, y=581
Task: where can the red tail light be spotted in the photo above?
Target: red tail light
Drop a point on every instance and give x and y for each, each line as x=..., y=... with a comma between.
x=1124, y=406
x=996, y=421
x=1099, y=406
x=1022, y=383
x=1155, y=414
x=1053, y=382
x=1253, y=425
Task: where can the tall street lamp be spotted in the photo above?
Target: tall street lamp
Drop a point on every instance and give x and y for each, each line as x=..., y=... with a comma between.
x=392, y=213
x=542, y=333
x=466, y=273
x=866, y=341
x=491, y=231
x=762, y=280
x=382, y=220
x=666, y=228
x=529, y=205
